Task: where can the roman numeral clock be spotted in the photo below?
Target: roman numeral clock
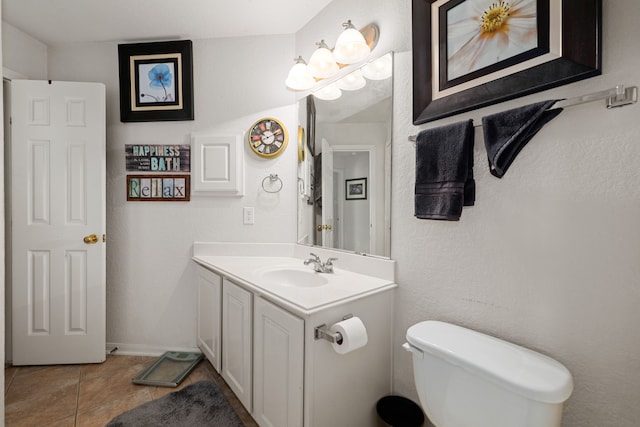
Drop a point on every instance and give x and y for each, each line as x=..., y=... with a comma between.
x=268, y=137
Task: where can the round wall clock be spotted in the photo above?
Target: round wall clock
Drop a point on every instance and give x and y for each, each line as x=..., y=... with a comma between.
x=268, y=137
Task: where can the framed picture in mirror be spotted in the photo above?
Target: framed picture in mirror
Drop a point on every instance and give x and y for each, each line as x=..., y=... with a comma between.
x=356, y=189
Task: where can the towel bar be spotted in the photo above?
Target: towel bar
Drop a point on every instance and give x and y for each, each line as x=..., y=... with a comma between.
x=619, y=96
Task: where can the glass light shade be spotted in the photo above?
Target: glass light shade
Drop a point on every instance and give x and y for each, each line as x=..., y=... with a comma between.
x=321, y=64
x=379, y=69
x=351, y=46
x=299, y=78
x=352, y=81
x=328, y=93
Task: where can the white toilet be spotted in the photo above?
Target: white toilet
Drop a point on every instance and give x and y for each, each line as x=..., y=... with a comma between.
x=468, y=379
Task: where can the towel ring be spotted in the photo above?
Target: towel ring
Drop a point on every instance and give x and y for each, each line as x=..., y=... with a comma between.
x=273, y=178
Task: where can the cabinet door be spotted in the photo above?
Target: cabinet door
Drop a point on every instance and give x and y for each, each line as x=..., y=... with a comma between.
x=236, y=340
x=209, y=315
x=278, y=366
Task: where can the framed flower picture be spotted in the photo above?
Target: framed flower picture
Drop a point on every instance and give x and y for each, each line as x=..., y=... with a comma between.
x=469, y=54
x=156, y=81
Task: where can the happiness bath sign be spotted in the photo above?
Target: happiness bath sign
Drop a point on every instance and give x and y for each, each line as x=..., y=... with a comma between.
x=158, y=158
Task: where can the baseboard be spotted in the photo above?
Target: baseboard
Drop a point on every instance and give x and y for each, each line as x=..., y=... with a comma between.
x=143, y=350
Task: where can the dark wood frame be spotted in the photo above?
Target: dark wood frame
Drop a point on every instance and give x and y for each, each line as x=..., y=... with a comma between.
x=311, y=125
x=177, y=51
x=186, y=198
x=581, y=59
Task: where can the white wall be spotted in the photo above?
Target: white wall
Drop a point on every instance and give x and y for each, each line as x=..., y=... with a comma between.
x=23, y=54
x=151, y=293
x=549, y=256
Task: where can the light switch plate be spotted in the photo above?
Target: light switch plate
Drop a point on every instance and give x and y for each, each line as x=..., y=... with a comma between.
x=248, y=215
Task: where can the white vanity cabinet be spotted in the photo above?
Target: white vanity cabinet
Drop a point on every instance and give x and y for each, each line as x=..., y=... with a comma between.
x=209, y=315
x=272, y=358
x=278, y=376
x=237, y=340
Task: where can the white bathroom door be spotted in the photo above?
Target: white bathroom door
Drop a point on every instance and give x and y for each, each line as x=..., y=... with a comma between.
x=327, y=194
x=58, y=236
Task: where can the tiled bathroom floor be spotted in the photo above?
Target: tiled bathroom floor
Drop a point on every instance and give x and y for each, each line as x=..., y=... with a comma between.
x=90, y=395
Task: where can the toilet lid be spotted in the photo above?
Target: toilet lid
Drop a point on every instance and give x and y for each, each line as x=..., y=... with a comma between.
x=516, y=368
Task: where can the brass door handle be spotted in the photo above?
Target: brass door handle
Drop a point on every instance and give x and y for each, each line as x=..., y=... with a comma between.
x=324, y=227
x=91, y=239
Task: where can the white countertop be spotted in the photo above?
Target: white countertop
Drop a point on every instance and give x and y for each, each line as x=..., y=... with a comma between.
x=342, y=285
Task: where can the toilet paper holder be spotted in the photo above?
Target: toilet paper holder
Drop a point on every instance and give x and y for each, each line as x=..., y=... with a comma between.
x=322, y=333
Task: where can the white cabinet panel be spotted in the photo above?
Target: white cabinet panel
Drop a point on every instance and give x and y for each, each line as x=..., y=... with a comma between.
x=218, y=165
x=209, y=315
x=278, y=366
x=236, y=340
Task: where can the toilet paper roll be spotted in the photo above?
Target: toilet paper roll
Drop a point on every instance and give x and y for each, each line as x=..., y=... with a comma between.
x=354, y=335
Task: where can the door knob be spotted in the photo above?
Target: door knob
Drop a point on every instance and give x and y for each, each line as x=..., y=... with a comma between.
x=91, y=239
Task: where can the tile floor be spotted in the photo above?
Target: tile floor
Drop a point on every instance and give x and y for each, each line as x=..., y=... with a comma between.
x=90, y=395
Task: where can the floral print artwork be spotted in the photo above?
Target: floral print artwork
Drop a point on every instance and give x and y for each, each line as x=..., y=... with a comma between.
x=158, y=85
x=481, y=33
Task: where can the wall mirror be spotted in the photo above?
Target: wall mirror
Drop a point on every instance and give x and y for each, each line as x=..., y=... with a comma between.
x=344, y=168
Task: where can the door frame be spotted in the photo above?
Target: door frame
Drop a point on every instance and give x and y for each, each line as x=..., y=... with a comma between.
x=373, y=180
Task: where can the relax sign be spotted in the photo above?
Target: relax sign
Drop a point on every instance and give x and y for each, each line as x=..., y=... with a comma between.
x=163, y=188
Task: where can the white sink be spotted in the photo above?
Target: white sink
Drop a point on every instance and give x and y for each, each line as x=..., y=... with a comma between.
x=291, y=276
x=291, y=282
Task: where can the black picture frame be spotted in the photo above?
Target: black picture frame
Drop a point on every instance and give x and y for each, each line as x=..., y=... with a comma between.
x=311, y=125
x=355, y=189
x=581, y=58
x=156, y=81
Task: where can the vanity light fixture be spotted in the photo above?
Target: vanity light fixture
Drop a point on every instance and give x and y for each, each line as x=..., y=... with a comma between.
x=328, y=93
x=352, y=81
x=379, y=69
x=299, y=78
x=322, y=64
x=351, y=47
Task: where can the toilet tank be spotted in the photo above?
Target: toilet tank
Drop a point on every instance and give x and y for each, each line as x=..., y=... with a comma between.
x=468, y=379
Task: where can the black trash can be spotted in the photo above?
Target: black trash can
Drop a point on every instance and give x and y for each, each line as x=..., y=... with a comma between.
x=398, y=411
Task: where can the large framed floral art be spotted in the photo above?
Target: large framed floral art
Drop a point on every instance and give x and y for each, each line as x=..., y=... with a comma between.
x=156, y=81
x=469, y=54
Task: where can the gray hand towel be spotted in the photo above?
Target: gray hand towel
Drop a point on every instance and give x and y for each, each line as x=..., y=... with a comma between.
x=444, y=171
x=506, y=133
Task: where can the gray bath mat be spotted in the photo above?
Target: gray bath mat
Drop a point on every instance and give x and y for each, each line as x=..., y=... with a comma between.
x=201, y=404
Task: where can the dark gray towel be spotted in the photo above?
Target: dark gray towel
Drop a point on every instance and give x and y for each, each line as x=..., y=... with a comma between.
x=506, y=133
x=444, y=171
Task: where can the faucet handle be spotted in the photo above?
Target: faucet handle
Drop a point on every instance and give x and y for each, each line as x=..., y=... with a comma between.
x=330, y=261
x=316, y=257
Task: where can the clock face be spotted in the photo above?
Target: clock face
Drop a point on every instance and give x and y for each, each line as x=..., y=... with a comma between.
x=268, y=137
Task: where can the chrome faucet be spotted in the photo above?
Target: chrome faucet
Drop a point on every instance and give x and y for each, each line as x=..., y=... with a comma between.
x=319, y=266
